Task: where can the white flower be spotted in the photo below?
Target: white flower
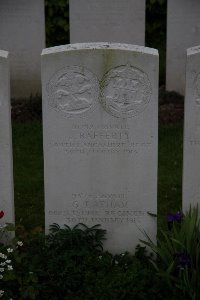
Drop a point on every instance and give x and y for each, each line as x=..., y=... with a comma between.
x=1, y=269
x=2, y=264
x=19, y=243
x=116, y=262
x=1, y=293
x=100, y=257
x=9, y=250
x=1, y=276
x=3, y=256
x=122, y=254
x=10, y=268
x=8, y=261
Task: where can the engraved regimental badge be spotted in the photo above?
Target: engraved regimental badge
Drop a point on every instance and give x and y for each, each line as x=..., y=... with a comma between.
x=125, y=91
x=73, y=90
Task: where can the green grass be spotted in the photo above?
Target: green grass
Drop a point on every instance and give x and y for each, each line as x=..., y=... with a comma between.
x=28, y=171
x=170, y=169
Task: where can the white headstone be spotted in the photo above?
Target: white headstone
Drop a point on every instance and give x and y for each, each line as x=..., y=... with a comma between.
x=107, y=21
x=183, y=31
x=6, y=173
x=191, y=169
x=100, y=138
x=22, y=33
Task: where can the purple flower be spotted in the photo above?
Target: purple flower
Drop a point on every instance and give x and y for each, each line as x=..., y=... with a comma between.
x=171, y=218
x=182, y=261
x=177, y=217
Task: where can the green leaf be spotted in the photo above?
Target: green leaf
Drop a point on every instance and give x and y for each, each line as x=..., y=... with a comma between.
x=10, y=227
x=152, y=214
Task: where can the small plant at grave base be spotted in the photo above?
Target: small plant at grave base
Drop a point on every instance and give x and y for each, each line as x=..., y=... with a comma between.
x=8, y=253
x=70, y=263
x=178, y=253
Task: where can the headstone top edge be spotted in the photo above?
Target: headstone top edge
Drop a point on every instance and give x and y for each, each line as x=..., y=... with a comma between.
x=193, y=50
x=101, y=45
x=4, y=53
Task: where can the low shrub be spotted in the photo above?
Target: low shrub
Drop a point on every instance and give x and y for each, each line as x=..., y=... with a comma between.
x=71, y=264
x=178, y=253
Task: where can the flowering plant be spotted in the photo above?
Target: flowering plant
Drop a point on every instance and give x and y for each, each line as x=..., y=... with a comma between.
x=7, y=251
x=178, y=252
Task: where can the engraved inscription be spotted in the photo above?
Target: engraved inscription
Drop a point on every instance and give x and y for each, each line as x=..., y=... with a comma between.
x=105, y=139
x=125, y=91
x=194, y=142
x=100, y=208
x=73, y=90
x=197, y=89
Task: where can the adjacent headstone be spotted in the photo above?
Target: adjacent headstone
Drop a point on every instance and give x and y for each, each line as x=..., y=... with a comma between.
x=22, y=33
x=191, y=169
x=183, y=31
x=100, y=139
x=6, y=173
x=107, y=21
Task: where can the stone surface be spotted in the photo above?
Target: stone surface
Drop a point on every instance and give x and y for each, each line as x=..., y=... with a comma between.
x=6, y=173
x=100, y=139
x=183, y=31
x=107, y=21
x=191, y=166
x=22, y=33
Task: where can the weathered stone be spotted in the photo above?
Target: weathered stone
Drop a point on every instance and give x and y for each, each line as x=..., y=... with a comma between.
x=107, y=21
x=22, y=33
x=191, y=169
x=183, y=31
x=6, y=173
x=100, y=139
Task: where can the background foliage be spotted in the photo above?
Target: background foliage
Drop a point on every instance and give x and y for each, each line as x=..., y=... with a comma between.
x=57, y=26
x=156, y=31
x=57, y=22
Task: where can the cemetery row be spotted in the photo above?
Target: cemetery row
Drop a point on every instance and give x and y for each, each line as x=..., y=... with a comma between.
x=100, y=131
x=22, y=33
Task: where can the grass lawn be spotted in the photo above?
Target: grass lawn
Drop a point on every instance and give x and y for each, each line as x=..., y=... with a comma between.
x=169, y=169
x=28, y=171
